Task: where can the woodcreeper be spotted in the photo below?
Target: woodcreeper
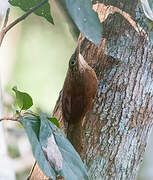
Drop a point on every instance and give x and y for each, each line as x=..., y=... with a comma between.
x=78, y=94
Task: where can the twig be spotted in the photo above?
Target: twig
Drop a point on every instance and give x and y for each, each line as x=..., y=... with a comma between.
x=25, y=15
x=2, y=33
x=9, y=118
x=6, y=18
x=7, y=28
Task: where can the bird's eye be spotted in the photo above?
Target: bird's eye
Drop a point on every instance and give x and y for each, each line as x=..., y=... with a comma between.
x=72, y=62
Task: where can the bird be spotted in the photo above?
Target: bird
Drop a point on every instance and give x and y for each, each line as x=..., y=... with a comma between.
x=78, y=94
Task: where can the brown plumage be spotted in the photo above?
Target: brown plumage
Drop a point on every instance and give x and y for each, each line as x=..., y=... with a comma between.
x=78, y=94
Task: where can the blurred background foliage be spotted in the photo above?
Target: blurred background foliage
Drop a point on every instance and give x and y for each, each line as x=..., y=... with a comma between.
x=34, y=56
x=42, y=52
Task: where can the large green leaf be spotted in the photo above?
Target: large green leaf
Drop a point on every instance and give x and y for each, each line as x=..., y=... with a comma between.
x=72, y=163
x=84, y=17
x=148, y=8
x=32, y=128
x=68, y=162
x=23, y=100
x=53, y=152
x=25, y=5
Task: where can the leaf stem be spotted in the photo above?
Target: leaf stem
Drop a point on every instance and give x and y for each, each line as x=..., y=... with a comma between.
x=5, y=28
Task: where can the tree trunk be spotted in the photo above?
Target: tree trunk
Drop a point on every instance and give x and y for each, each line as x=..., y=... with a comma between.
x=117, y=127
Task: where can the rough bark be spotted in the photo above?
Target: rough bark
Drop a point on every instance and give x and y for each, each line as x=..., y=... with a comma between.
x=117, y=127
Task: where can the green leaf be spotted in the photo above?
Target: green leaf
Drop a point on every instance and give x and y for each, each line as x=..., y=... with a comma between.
x=23, y=100
x=70, y=166
x=25, y=5
x=32, y=128
x=54, y=121
x=73, y=167
x=53, y=152
x=85, y=18
x=148, y=8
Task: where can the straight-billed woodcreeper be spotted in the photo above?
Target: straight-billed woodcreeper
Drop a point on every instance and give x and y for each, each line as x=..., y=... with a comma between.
x=78, y=94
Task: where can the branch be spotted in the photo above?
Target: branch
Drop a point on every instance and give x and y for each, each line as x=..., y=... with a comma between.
x=7, y=28
x=2, y=33
x=6, y=18
x=9, y=118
